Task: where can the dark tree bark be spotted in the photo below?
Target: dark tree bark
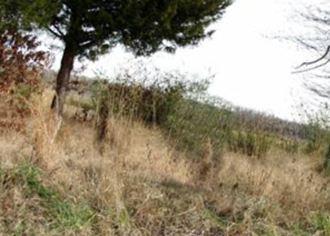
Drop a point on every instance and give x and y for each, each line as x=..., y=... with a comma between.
x=62, y=80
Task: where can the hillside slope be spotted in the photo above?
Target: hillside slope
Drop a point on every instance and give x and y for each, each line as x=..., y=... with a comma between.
x=141, y=185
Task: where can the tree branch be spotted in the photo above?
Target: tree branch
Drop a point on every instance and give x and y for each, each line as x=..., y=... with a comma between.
x=316, y=61
x=58, y=30
x=313, y=62
x=88, y=44
x=56, y=34
x=312, y=68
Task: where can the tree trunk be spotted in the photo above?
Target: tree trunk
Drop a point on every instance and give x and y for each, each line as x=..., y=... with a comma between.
x=62, y=80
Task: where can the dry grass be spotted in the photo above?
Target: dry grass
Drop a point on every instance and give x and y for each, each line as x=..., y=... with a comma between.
x=140, y=185
x=292, y=183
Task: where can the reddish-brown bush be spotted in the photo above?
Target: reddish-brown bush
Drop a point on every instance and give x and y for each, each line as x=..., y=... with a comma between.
x=20, y=60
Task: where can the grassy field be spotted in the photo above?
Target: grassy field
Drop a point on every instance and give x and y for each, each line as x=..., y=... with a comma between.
x=172, y=178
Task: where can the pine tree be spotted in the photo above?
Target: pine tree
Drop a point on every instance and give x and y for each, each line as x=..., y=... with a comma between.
x=89, y=28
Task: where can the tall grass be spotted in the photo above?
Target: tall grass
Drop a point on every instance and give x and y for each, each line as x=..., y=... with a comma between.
x=173, y=161
x=142, y=185
x=191, y=117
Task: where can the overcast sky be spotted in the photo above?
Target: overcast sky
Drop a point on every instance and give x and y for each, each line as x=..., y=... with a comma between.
x=252, y=69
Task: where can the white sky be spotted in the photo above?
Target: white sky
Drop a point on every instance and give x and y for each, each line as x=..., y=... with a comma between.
x=252, y=68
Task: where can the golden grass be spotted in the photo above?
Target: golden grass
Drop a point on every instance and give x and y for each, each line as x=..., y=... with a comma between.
x=294, y=184
x=141, y=185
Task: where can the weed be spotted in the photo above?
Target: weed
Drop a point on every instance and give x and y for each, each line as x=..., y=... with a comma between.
x=248, y=143
x=321, y=223
x=327, y=161
x=290, y=146
x=61, y=214
x=221, y=222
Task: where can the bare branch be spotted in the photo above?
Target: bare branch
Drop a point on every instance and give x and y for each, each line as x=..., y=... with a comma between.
x=312, y=68
x=56, y=34
x=317, y=60
x=59, y=30
x=315, y=37
x=318, y=89
x=305, y=44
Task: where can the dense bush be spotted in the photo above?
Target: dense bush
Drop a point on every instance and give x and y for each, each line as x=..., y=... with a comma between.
x=20, y=60
x=184, y=112
x=150, y=104
x=290, y=146
x=317, y=131
x=145, y=93
x=189, y=116
x=249, y=143
x=314, y=138
x=193, y=123
x=20, y=66
x=327, y=161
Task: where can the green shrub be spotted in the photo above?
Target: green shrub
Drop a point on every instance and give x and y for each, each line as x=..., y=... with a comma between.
x=290, y=146
x=321, y=223
x=20, y=94
x=21, y=65
x=152, y=104
x=102, y=113
x=249, y=143
x=327, y=161
x=317, y=132
x=192, y=123
x=59, y=212
x=185, y=112
x=314, y=139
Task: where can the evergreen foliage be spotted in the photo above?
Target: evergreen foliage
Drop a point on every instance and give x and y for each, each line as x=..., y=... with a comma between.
x=89, y=28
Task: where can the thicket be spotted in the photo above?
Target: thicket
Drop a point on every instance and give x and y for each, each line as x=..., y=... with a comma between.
x=185, y=112
x=167, y=99
x=21, y=64
x=181, y=107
